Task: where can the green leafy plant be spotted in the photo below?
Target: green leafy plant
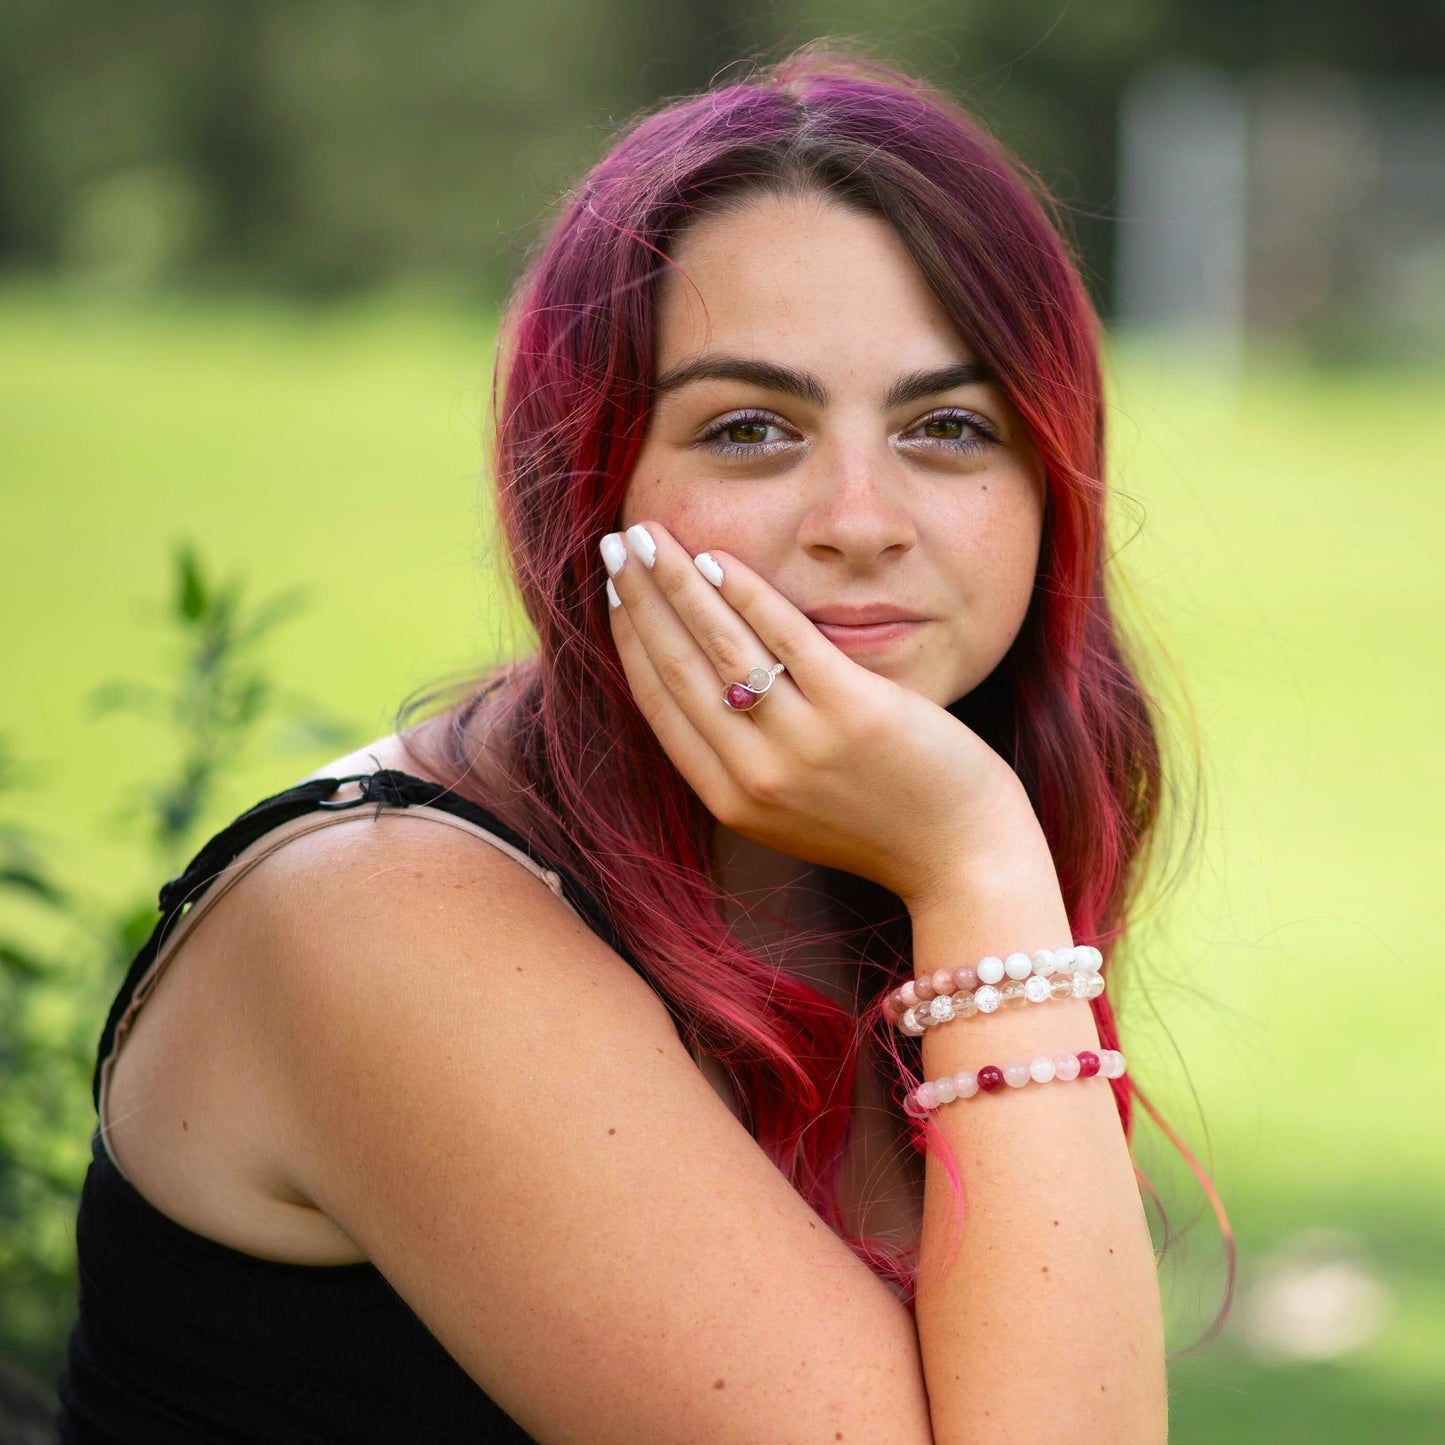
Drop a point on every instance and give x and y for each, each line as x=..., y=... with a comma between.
x=62, y=951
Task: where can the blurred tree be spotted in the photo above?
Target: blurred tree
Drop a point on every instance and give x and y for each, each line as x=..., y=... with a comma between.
x=350, y=143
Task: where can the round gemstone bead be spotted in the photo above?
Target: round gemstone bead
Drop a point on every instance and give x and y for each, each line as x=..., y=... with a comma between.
x=965, y=1081
x=945, y=1089
x=1096, y=985
x=1012, y=995
x=1016, y=1074
x=1066, y=1067
x=1018, y=965
x=1064, y=959
x=990, y=970
x=943, y=981
x=760, y=678
x=1088, y=1064
x=1044, y=963
x=908, y=994
x=925, y=1097
x=1079, y=984
x=1041, y=1070
x=923, y=987
x=964, y=1006
x=987, y=998
x=942, y=1008
x=1037, y=990
x=1121, y=1066
x=990, y=1078
x=966, y=979
x=739, y=698
x=1062, y=986
x=1089, y=959
x=909, y=1024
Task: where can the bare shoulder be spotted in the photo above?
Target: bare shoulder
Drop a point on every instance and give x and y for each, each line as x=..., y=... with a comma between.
x=497, y=1108
x=369, y=899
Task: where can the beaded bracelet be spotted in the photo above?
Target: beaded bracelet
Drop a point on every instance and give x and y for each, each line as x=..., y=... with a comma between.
x=945, y=995
x=1046, y=962
x=987, y=999
x=1107, y=1063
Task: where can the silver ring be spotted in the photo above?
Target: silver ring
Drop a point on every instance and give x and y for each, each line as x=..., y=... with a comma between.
x=741, y=696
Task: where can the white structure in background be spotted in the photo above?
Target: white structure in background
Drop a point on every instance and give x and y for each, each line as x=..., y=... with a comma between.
x=1303, y=206
x=1183, y=185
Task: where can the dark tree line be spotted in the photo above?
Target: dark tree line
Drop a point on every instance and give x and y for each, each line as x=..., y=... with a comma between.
x=342, y=144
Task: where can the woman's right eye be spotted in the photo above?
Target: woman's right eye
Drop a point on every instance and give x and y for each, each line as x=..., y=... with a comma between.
x=744, y=432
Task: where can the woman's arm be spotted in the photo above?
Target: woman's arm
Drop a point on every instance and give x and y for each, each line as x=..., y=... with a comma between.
x=1035, y=1330
x=500, y=1112
x=1047, y=1323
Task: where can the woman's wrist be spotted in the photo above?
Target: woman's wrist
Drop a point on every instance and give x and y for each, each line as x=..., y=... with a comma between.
x=1013, y=873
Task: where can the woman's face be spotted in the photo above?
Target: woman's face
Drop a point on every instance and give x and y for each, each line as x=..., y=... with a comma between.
x=819, y=417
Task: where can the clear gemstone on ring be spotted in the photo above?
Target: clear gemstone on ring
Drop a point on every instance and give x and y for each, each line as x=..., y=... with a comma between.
x=760, y=679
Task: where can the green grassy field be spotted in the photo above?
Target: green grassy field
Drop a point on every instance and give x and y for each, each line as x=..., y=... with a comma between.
x=1280, y=538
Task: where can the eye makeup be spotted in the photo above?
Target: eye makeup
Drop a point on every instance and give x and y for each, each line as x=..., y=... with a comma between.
x=716, y=437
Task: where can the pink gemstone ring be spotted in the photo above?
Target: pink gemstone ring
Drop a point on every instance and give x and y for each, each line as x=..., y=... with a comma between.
x=740, y=696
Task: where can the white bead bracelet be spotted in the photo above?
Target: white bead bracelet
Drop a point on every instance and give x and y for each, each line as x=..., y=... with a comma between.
x=1050, y=973
x=987, y=999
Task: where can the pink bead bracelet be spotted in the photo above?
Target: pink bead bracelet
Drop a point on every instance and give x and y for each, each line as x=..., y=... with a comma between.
x=1107, y=1063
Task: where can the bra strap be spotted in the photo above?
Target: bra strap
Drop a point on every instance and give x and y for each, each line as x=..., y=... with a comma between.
x=386, y=788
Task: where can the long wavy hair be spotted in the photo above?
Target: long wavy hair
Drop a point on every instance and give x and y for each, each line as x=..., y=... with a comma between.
x=588, y=781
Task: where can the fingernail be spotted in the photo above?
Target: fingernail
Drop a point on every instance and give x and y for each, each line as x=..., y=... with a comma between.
x=709, y=568
x=614, y=552
x=613, y=600
x=642, y=543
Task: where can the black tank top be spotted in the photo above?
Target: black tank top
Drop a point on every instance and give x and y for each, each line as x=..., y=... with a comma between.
x=181, y=1339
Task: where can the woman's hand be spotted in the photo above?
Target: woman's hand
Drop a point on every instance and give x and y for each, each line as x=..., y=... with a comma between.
x=836, y=765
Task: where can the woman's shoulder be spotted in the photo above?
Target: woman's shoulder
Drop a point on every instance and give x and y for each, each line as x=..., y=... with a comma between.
x=344, y=848
x=318, y=984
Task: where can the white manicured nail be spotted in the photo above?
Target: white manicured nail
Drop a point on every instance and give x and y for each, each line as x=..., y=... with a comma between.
x=614, y=552
x=642, y=543
x=709, y=568
x=613, y=600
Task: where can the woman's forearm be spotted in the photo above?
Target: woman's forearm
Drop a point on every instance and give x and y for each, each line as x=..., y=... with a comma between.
x=1047, y=1323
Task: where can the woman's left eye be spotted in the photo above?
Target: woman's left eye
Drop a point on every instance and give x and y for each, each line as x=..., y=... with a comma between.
x=959, y=430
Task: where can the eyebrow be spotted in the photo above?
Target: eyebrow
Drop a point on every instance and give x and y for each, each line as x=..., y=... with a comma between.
x=771, y=377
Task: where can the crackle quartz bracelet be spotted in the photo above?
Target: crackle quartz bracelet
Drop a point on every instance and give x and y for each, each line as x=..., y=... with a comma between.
x=1050, y=973
x=1047, y=1068
x=986, y=999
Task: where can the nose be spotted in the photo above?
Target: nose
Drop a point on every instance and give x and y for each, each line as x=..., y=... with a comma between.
x=857, y=508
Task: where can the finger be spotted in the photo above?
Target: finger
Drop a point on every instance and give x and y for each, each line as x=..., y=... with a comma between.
x=696, y=643
x=726, y=640
x=693, y=756
x=819, y=670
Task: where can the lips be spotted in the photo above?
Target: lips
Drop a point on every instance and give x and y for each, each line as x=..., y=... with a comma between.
x=869, y=638
x=876, y=612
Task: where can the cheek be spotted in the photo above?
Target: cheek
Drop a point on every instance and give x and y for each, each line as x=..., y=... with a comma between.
x=699, y=518
x=993, y=546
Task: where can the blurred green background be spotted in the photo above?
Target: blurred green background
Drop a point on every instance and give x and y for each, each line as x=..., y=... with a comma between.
x=252, y=255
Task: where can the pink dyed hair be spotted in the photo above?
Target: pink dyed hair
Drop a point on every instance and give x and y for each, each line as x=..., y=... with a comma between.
x=591, y=785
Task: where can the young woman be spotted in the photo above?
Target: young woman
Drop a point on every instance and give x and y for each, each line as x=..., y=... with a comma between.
x=540, y=1072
